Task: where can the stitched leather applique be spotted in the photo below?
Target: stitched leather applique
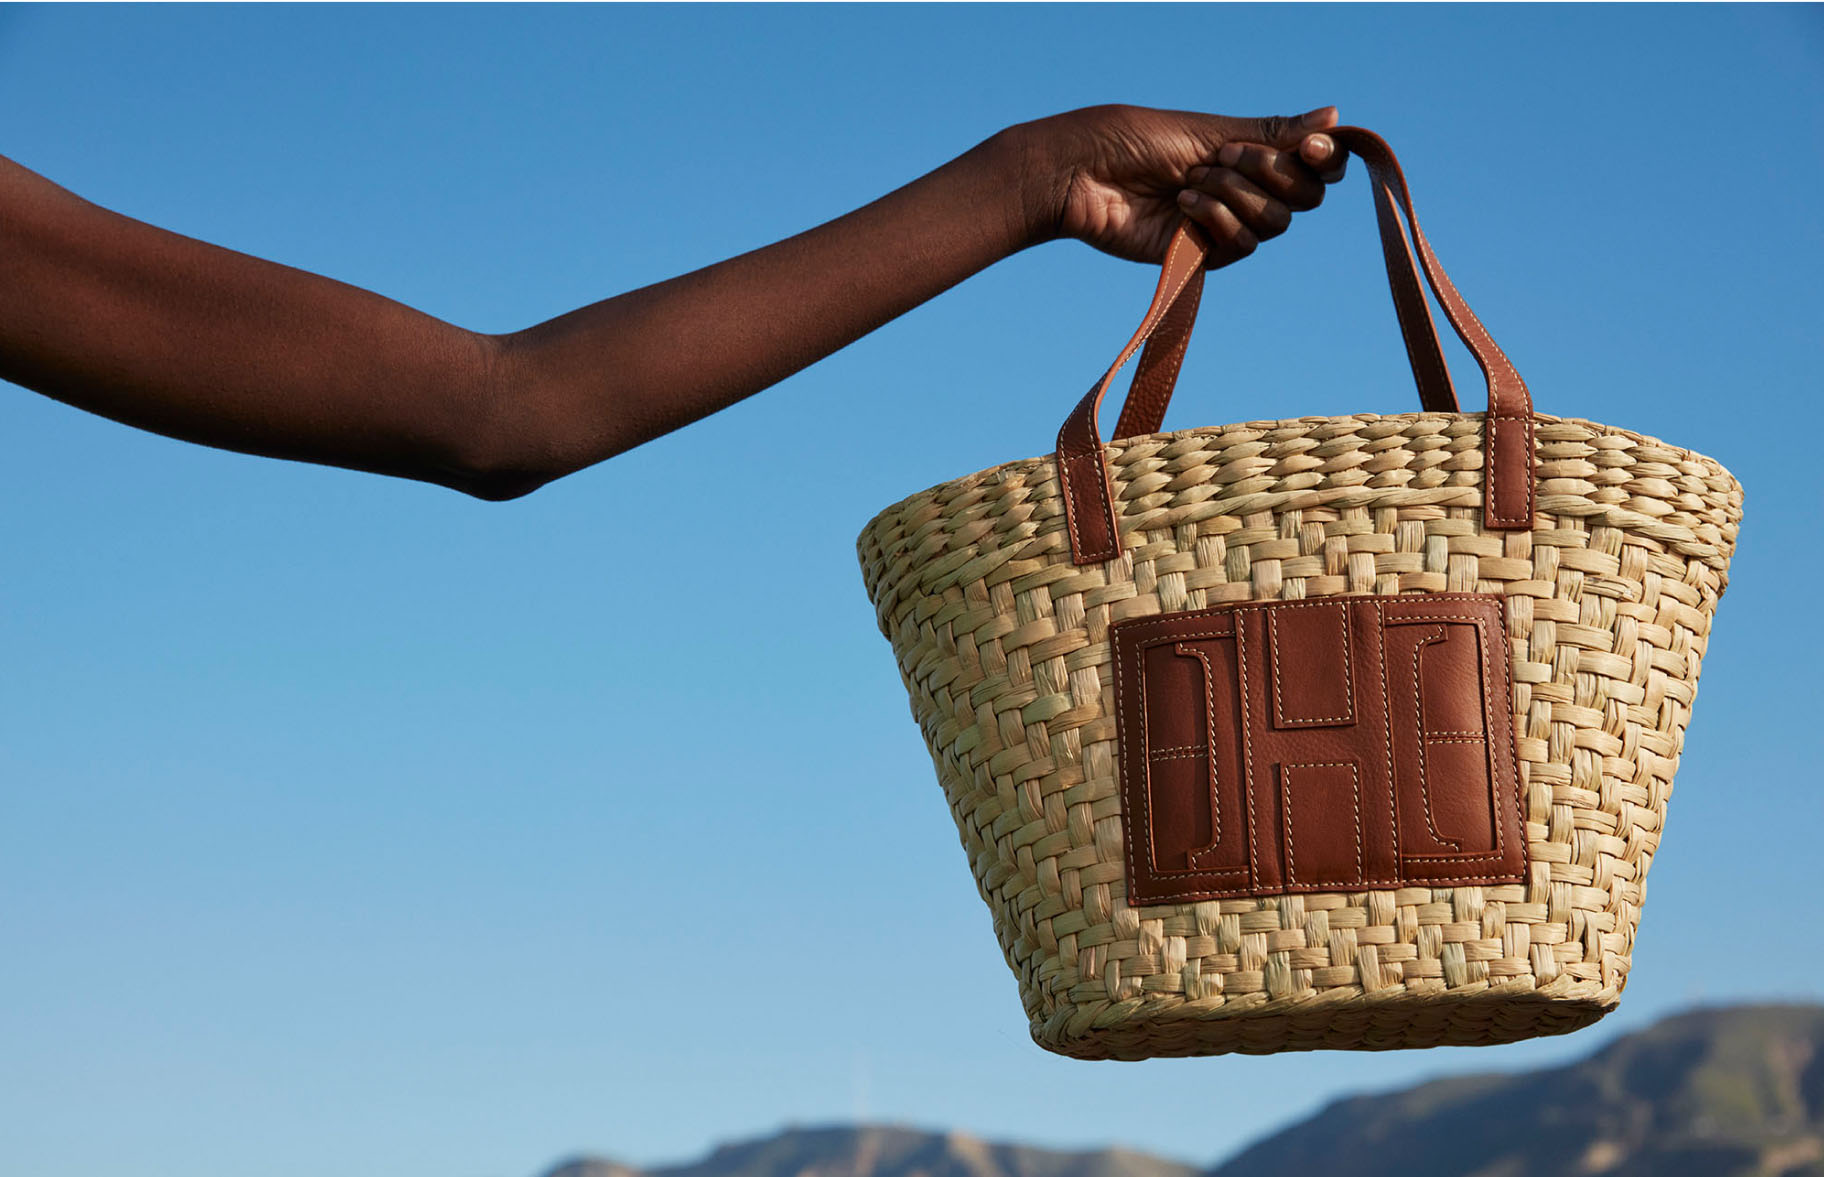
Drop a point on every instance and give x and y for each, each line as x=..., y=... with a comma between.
x=1344, y=743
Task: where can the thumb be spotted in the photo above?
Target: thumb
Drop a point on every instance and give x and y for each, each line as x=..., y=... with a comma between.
x=1278, y=131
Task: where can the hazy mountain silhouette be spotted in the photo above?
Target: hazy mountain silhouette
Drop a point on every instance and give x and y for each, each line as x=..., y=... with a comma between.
x=889, y=1151
x=1728, y=1092
x=1720, y=1091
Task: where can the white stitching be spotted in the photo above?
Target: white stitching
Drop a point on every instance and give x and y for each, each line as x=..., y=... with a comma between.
x=1465, y=321
x=1113, y=547
x=1443, y=281
x=1434, y=360
x=1170, y=379
x=1526, y=426
x=1492, y=507
x=1147, y=324
x=1393, y=804
x=1131, y=842
x=1069, y=482
x=1178, y=241
x=1379, y=601
x=1447, y=292
x=1142, y=399
x=1108, y=507
x=1488, y=716
x=1418, y=723
x=1127, y=762
x=1355, y=779
x=1513, y=741
x=1309, y=888
x=1279, y=709
x=1209, y=739
x=1070, y=495
x=1285, y=789
x=1104, y=552
x=1247, y=749
x=1140, y=627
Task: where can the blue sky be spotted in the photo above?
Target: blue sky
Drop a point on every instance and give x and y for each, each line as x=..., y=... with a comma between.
x=354, y=826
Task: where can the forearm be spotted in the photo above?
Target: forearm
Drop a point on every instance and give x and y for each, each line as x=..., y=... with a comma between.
x=178, y=336
x=205, y=344
x=607, y=377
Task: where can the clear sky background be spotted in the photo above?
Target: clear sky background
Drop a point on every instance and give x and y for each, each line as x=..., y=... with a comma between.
x=352, y=826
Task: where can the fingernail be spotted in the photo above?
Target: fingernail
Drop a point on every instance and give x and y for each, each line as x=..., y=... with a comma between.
x=1318, y=148
x=1189, y=199
x=1197, y=175
x=1229, y=154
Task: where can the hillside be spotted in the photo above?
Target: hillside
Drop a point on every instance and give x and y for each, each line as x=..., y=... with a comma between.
x=1719, y=1091
x=887, y=1151
x=1728, y=1092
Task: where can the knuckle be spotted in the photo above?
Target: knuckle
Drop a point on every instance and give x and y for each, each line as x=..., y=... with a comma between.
x=1278, y=169
x=1273, y=127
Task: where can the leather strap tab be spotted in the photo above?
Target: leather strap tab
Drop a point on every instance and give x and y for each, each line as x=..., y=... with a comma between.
x=1089, y=511
x=1508, y=498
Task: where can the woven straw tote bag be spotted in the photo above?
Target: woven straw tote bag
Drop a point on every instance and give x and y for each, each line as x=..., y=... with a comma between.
x=1337, y=732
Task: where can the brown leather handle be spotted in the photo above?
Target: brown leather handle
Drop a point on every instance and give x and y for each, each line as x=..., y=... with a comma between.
x=1089, y=511
x=1151, y=390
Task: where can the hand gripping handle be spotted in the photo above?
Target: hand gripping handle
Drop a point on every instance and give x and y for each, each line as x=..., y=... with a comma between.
x=1507, y=505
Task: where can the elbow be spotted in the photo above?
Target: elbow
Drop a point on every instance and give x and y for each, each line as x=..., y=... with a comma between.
x=498, y=451
x=498, y=486
x=499, y=475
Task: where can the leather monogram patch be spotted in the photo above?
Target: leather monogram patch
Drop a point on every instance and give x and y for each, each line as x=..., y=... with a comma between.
x=1346, y=743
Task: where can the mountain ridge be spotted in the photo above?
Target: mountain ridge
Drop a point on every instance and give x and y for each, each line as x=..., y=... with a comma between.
x=1717, y=1091
x=889, y=1150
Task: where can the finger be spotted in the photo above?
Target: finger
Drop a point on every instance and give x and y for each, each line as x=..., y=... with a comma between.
x=1260, y=212
x=1282, y=175
x=1325, y=156
x=1281, y=131
x=1230, y=240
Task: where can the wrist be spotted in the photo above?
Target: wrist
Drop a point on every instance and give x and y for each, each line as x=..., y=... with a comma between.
x=1036, y=179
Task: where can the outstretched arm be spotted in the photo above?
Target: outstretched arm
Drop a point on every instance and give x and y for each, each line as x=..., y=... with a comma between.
x=175, y=335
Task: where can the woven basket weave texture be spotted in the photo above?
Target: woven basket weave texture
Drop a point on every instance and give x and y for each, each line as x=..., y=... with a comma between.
x=1002, y=643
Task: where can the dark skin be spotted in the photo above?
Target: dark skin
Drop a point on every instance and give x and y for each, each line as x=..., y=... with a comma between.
x=193, y=341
